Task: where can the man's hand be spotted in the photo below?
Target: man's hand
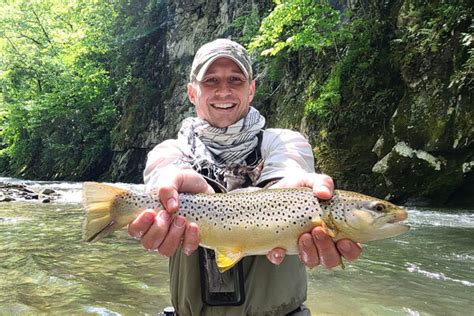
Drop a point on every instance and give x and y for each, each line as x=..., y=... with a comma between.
x=316, y=248
x=160, y=230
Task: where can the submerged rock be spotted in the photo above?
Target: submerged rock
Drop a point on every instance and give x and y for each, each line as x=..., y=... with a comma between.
x=6, y=199
x=19, y=192
x=47, y=191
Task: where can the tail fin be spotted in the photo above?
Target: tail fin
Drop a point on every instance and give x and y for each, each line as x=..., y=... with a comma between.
x=98, y=199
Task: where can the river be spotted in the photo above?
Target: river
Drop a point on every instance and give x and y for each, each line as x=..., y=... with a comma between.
x=47, y=269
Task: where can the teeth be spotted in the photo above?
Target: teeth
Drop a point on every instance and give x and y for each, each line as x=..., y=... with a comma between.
x=223, y=105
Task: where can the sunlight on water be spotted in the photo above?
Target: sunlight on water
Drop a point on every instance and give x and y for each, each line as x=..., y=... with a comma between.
x=447, y=218
x=411, y=267
x=47, y=269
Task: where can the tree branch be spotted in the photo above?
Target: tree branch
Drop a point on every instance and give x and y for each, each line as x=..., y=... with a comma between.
x=32, y=39
x=71, y=27
x=12, y=44
x=42, y=27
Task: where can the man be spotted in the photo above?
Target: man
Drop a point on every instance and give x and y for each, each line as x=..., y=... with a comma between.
x=223, y=148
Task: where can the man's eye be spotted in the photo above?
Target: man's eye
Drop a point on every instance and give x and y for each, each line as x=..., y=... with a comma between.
x=210, y=80
x=236, y=79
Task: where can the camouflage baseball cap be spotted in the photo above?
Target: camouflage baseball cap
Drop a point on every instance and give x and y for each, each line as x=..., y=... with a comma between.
x=221, y=47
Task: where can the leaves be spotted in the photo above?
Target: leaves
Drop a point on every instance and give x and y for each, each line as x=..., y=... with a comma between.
x=56, y=90
x=295, y=24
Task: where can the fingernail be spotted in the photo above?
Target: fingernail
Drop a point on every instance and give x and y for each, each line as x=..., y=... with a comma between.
x=276, y=258
x=179, y=222
x=164, y=215
x=149, y=217
x=139, y=235
x=187, y=251
x=170, y=204
x=323, y=192
x=307, y=242
x=154, y=248
x=345, y=246
x=156, y=244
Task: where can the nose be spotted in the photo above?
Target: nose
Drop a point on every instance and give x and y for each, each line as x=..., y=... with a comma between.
x=223, y=90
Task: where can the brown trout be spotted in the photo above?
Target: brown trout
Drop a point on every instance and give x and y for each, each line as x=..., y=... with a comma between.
x=249, y=223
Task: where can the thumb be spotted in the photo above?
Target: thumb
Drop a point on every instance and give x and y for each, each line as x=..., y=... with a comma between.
x=169, y=198
x=276, y=255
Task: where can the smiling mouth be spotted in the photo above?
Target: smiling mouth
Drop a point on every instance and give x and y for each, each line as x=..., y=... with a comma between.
x=223, y=106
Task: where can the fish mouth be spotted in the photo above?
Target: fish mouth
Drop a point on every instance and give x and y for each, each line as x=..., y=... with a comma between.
x=398, y=217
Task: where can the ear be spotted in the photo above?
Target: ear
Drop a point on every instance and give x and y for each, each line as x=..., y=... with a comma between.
x=192, y=93
x=251, y=91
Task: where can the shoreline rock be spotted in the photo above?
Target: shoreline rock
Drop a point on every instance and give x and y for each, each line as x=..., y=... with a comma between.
x=10, y=192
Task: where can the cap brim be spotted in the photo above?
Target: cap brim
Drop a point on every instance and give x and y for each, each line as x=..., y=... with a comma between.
x=204, y=68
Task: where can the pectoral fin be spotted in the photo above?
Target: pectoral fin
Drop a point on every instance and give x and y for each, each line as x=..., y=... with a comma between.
x=226, y=258
x=330, y=229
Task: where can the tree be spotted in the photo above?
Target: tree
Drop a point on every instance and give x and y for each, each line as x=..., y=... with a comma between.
x=56, y=94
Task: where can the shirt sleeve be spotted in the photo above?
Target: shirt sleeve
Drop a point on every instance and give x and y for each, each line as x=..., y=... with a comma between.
x=284, y=152
x=163, y=156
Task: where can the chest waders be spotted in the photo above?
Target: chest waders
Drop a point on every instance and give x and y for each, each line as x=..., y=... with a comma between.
x=225, y=289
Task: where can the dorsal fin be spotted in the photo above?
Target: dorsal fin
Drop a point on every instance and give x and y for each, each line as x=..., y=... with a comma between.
x=245, y=190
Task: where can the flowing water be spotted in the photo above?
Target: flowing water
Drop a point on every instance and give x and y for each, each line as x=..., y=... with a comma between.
x=46, y=269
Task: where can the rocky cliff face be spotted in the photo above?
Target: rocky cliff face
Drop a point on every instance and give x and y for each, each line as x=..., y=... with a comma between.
x=155, y=100
x=415, y=141
x=417, y=144
x=426, y=153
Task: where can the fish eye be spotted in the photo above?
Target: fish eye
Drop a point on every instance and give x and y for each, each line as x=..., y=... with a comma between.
x=379, y=207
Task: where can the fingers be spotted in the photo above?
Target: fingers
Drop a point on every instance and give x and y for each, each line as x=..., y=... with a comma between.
x=173, y=239
x=191, y=239
x=141, y=224
x=323, y=186
x=183, y=180
x=318, y=248
x=164, y=233
x=328, y=254
x=169, y=198
x=276, y=255
x=155, y=236
x=308, y=251
x=191, y=182
x=349, y=249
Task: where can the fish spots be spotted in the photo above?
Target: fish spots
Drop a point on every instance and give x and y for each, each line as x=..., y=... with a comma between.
x=262, y=210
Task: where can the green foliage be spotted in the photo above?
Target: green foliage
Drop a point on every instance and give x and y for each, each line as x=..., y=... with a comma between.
x=297, y=24
x=352, y=54
x=356, y=92
x=55, y=88
x=428, y=23
x=328, y=98
x=247, y=25
x=428, y=27
x=464, y=75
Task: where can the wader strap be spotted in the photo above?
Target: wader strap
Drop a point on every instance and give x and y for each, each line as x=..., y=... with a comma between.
x=224, y=289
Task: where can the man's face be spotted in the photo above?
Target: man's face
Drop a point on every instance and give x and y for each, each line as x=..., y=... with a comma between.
x=224, y=94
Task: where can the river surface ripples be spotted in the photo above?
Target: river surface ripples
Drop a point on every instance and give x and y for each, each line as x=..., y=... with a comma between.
x=47, y=269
